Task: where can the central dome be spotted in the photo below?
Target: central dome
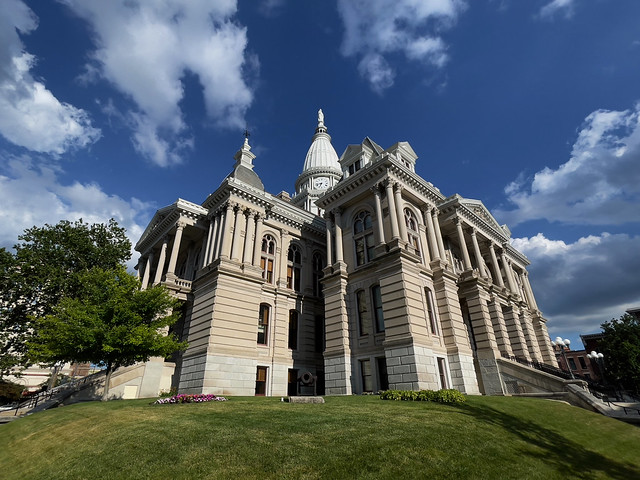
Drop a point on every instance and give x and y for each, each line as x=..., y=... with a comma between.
x=321, y=154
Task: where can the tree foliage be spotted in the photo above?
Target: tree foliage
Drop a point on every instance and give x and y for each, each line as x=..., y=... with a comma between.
x=621, y=348
x=43, y=270
x=110, y=322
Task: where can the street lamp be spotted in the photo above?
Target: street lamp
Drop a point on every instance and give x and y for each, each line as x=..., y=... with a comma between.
x=562, y=344
x=599, y=359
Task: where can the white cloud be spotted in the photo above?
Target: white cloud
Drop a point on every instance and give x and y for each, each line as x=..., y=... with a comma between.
x=375, y=28
x=32, y=117
x=145, y=48
x=598, y=185
x=582, y=284
x=557, y=7
x=31, y=194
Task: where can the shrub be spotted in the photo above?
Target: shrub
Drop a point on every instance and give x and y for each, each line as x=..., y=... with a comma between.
x=195, y=398
x=440, y=396
x=10, y=392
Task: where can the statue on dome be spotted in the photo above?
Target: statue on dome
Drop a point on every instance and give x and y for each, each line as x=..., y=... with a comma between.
x=320, y=117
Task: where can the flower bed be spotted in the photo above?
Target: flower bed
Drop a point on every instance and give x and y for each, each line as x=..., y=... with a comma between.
x=195, y=398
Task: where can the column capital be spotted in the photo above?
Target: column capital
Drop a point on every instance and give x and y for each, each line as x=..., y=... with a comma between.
x=180, y=224
x=376, y=189
x=398, y=187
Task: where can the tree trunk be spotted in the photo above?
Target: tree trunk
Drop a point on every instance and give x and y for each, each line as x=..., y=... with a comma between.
x=107, y=381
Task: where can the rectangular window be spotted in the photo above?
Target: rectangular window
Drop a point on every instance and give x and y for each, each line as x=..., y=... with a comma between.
x=367, y=380
x=572, y=363
x=267, y=269
x=293, y=329
x=431, y=313
x=263, y=324
x=292, y=382
x=383, y=378
x=377, y=308
x=289, y=276
x=361, y=305
x=442, y=373
x=261, y=381
x=583, y=364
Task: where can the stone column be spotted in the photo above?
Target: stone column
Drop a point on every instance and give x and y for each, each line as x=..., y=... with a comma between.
x=338, y=219
x=248, y=237
x=147, y=271
x=161, y=260
x=433, y=243
x=463, y=245
x=476, y=252
x=236, y=245
x=400, y=212
x=496, y=267
x=329, y=249
x=527, y=288
x=225, y=232
x=257, y=244
x=204, y=248
x=508, y=272
x=379, y=225
x=139, y=268
x=436, y=229
x=426, y=257
x=395, y=233
x=214, y=248
x=176, y=248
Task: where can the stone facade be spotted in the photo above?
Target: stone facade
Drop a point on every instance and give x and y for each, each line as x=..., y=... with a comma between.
x=368, y=278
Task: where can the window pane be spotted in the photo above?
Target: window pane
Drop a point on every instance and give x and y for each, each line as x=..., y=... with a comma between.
x=360, y=258
x=377, y=308
x=293, y=329
x=367, y=383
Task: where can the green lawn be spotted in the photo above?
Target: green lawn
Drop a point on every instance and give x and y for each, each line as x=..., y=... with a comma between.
x=347, y=437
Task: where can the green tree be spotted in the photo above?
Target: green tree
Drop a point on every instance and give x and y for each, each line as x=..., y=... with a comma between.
x=43, y=270
x=11, y=333
x=621, y=348
x=110, y=322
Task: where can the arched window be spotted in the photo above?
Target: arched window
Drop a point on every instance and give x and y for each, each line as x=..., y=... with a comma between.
x=263, y=324
x=363, y=238
x=317, y=266
x=412, y=230
x=294, y=264
x=267, y=258
x=293, y=329
x=431, y=312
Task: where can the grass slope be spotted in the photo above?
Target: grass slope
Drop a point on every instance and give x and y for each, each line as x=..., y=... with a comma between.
x=347, y=437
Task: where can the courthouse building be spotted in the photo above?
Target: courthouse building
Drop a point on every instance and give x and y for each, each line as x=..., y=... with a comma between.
x=367, y=278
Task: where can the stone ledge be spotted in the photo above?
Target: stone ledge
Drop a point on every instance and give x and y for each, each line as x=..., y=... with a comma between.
x=303, y=399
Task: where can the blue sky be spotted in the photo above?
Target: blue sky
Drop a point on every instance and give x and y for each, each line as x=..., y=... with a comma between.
x=116, y=109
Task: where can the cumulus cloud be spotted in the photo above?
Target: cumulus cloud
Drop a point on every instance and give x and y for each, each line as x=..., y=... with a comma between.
x=582, y=284
x=32, y=117
x=557, y=8
x=145, y=49
x=598, y=185
x=32, y=194
x=376, y=29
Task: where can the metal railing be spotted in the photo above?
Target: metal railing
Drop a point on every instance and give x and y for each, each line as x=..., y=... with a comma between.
x=68, y=387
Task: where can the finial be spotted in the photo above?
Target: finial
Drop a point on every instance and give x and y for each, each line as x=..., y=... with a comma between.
x=246, y=138
x=320, y=118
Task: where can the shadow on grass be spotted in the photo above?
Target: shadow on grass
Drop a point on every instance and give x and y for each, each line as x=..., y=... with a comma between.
x=568, y=457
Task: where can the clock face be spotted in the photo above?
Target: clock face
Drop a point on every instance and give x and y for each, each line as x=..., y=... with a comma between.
x=321, y=182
